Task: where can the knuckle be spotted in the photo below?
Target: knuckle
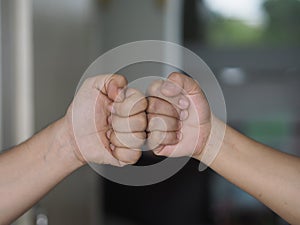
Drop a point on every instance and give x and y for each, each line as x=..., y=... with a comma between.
x=141, y=139
x=118, y=76
x=153, y=89
x=156, y=153
x=135, y=156
x=141, y=136
x=135, y=140
x=127, y=156
x=154, y=140
x=175, y=75
x=143, y=103
x=141, y=121
x=154, y=122
x=114, y=140
x=157, y=136
x=138, y=107
x=151, y=104
x=150, y=116
x=171, y=139
x=156, y=104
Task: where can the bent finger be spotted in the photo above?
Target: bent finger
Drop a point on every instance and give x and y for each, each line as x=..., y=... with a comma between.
x=126, y=155
x=134, y=103
x=162, y=107
x=180, y=100
x=162, y=123
x=158, y=138
x=128, y=140
x=133, y=123
x=180, y=81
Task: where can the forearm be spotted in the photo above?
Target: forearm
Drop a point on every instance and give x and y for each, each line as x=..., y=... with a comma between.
x=31, y=169
x=270, y=176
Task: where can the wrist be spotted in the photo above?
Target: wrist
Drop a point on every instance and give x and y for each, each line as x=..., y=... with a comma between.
x=213, y=143
x=66, y=142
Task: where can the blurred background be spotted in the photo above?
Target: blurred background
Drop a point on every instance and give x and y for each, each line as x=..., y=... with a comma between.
x=252, y=46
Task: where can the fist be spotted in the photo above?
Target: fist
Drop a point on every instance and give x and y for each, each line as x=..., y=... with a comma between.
x=178, y=117
x=108, y=121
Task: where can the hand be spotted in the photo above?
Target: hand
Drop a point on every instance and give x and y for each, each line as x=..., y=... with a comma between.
x=107, y=121
x=179, y=117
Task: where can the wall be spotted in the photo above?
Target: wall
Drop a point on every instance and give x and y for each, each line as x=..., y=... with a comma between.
x=66, y=40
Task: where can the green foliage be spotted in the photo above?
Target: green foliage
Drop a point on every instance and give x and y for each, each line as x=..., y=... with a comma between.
x=283, y=24
x=230, y=32
x=281, y=28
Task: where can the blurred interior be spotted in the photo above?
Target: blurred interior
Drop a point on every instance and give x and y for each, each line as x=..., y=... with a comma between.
x=252, y=46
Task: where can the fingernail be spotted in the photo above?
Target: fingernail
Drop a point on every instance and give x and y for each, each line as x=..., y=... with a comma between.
x=108, y=133
x=183, y=103
x=184, y=115
x=112, y=147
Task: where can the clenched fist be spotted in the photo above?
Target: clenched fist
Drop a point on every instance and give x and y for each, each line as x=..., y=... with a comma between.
x=108, y=121
x=179, y=117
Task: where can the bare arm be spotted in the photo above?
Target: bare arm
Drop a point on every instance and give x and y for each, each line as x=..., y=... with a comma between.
x=271, y=176
x=30, y=170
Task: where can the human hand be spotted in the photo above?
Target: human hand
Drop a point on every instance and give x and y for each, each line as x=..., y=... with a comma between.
x=107, y=121
x=179, y=117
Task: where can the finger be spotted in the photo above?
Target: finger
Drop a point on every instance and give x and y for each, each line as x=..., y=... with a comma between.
x=171, y=88
x=180, y=81
x=178, y=100
x=158, y=149
x=165, y=150
x=133, y=123
x=126, y=155
x=100, y=111
x=128, y=140
x=162, y=123
x=158, y=138
x=162, y=107
x=134, y=103
x=111, y=85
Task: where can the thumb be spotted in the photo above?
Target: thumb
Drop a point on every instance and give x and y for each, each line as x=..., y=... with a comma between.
x=114, y=86
x=177, y=82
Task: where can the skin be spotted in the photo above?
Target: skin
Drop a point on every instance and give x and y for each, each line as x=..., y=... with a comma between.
x=54, y=153
x=270, y=176
x=106, y=124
